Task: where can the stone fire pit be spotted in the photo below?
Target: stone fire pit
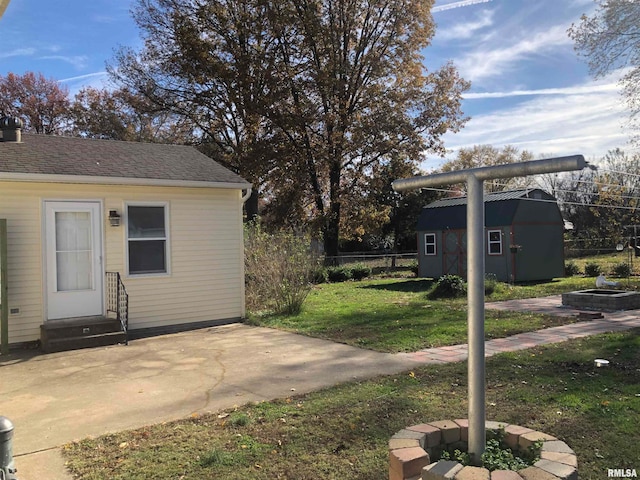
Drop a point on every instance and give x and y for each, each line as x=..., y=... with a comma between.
x=414, y=452
x=602, y=299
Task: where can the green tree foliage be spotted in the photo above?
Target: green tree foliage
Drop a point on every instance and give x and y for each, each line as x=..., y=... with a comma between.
x=486, y=156
x=609, y=39
x=41, y=103
x=305, y=98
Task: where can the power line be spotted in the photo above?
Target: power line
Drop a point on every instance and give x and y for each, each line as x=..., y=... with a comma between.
x=579, y=204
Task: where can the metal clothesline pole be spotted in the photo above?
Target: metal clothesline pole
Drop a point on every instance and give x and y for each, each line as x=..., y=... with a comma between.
x=474, y=178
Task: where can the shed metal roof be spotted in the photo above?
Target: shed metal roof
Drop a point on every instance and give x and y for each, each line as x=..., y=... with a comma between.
x=495, y=197
x=500, y=209
x=68, y=157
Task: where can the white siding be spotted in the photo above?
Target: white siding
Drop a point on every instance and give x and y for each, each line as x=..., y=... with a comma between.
x=206, y=280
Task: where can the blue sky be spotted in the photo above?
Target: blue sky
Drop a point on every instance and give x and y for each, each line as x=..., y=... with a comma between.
x=529, y=89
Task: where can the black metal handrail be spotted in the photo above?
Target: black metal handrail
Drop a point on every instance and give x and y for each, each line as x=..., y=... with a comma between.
x=118, y=301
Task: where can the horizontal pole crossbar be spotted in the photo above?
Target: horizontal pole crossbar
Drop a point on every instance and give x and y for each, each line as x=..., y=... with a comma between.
x=509, y=170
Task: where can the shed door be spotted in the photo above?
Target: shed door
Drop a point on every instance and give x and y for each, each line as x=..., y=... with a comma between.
x=454, y=249
x=73, y=251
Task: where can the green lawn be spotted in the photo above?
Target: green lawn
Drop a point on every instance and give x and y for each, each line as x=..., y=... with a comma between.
x=394, y=314
x=342, y=432
x=607, y=261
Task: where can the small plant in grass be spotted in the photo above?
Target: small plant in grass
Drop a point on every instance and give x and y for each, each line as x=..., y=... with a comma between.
x=239, y=420
x=360, y=271
x=448, y=286
x=621, y=270
x=339, y=274
x=571, y=269
x=592, y=269
x=490, y=283
x=414, y=267
x=216, y=457
x=320, y=275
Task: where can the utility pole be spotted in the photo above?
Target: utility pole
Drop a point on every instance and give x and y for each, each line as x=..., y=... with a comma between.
x=474, y=178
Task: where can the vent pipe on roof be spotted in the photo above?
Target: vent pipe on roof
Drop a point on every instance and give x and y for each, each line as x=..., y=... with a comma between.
x=11, y=129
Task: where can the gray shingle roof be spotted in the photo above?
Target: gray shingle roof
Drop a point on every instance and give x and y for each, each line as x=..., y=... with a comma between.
x=56, y=155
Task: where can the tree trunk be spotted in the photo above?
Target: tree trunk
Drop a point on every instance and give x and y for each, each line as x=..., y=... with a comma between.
x=331, y=229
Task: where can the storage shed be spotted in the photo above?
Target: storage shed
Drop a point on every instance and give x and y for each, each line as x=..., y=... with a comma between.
x=523, y=241
x=107, y=239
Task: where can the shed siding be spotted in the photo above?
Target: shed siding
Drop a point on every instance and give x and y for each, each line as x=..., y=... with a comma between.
x=429, y=265
x=541, y=256
x=498, y=265
x=206, y=280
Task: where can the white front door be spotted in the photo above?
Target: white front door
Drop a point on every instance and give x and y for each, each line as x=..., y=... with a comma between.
x=73, y=252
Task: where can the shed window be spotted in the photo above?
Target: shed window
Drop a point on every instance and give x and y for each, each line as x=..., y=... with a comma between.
x=494, y=243
x=429, y=243
x=147, y=239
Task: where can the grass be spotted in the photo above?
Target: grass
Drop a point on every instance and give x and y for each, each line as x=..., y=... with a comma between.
x=342, y=432
x=395, y=315
x=607, y=261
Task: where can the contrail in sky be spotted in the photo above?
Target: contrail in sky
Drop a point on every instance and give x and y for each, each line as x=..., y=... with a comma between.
x=462, y=3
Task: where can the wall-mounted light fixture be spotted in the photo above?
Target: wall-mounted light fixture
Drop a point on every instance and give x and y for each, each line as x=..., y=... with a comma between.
x=114, y=218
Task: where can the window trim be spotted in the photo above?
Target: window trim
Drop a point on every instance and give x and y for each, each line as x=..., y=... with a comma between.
x=167, y=245
x=434, y=243
x=494, y=242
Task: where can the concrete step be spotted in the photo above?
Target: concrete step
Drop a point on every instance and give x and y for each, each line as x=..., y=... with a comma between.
x=78, y=327
x=83, y=332
x=86, y=341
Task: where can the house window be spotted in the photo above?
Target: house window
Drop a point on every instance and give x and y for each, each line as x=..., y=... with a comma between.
x=494, y=242
x=147, y=239
x=429, y=243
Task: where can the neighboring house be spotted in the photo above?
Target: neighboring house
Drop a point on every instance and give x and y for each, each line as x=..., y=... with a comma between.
x=523, y=239
x=166, y=218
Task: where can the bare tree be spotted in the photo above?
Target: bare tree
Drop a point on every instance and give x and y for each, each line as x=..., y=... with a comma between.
x=485, y=156
x=305, y=98
x=610, y=40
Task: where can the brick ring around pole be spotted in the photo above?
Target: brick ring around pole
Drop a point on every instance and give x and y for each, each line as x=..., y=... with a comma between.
x=412, y=448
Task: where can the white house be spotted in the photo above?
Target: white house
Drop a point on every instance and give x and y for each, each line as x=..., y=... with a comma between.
x=165, y=219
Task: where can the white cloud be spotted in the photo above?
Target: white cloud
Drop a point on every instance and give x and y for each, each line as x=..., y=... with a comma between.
x=466, y=30
x=574, y=90
x=459, y=4
x=78, y=61
x=97, y=80
x=18, y=52
x=492, y=62
x=587, y=119
x=84, y=77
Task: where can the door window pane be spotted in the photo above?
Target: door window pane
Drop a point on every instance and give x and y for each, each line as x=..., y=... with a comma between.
x=74, y=254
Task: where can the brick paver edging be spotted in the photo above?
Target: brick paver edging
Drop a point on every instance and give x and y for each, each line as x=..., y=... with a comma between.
x=412, y=448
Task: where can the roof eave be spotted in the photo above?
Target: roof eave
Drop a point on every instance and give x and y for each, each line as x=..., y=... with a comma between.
x=96, y=180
